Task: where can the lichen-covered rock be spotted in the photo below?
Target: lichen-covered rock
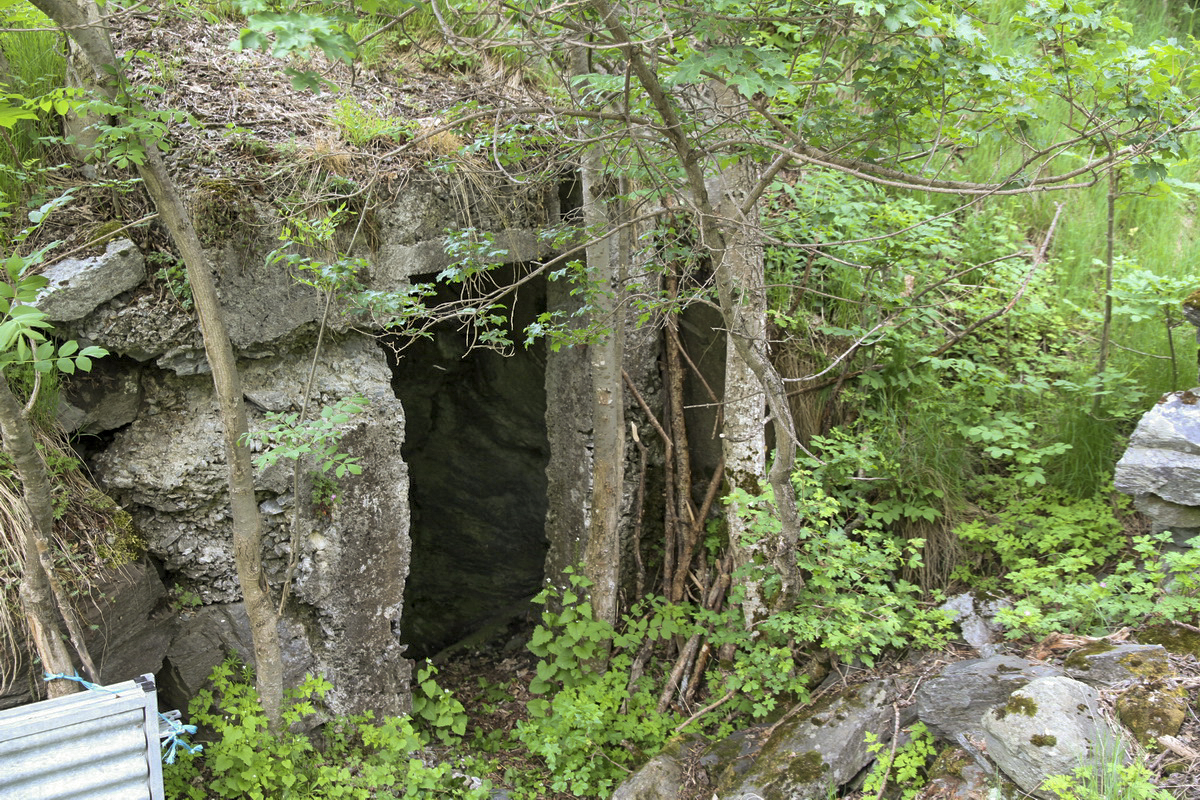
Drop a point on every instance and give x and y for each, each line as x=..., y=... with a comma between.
x=1152, y=709
x=1102, y=664
x=824, y=747
x=952, y=703
x=1049, y=727
x=78, y=285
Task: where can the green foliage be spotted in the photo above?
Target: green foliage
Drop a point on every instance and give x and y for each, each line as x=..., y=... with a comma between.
x=362, y=125
x=852, y=604
x=357, y=757
x=1067, y=566
x=1107, y=776
x=324, y=494
x=172, y=272
x=291, y=438
x=437, y=707
x=905, y=768
x=595, y=722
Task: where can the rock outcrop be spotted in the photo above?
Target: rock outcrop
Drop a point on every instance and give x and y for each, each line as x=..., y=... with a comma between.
x=167, y=468
x=1049, y=727
x=1161, y=467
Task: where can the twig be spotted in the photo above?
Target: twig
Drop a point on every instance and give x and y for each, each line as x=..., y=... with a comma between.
x=892, y=754
x=703, y=711
x=109, y=235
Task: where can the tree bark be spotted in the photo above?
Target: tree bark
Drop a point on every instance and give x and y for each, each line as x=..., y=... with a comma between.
x=37, y=596
x=731, y=242
x=94, y=42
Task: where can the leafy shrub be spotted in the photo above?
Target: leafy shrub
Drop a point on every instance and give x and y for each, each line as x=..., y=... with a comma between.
x=1068, y=566
x=853, y=604
x=905, y=768
x=356, y=758
x=594, y=721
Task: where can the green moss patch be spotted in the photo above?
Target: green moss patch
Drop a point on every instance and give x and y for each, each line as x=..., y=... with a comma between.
x=1017, y=704
x=1177, y=640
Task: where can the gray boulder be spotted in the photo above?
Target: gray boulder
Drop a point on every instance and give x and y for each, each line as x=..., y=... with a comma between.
x=1161, y=467
x=1103, y=664
x=661, y=778
x=822, y=748
x=976, y=621
x=953, y=703
x=78, y=285
x=1050, y=727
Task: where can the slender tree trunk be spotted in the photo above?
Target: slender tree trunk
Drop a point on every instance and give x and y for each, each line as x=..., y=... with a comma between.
x=1106, y=327
x=37, y=596
x=96, y=46
x=733, y=245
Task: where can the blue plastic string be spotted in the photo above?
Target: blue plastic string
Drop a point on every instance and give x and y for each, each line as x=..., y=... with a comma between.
x=171, y=731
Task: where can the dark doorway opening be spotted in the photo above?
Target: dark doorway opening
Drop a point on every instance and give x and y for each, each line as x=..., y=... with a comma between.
x=476, y=450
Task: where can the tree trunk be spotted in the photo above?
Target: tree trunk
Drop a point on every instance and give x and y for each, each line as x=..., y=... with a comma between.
x=247, y=535
x=37, y=596
x=734, y=246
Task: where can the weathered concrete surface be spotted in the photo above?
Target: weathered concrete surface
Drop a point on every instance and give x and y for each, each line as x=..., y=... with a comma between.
x=78, y=285
x=168, y=468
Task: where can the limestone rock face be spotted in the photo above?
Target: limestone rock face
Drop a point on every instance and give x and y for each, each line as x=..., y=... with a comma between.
x=78, y=285
x=1161, y=467
x=819, y=749
x=168, y=468
x=953, y=703
x=1049, y=727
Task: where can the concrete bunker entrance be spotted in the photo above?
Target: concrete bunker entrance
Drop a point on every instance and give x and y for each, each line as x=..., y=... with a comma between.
x=476, y=449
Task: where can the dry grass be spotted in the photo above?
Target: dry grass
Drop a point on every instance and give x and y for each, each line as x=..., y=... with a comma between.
x=92, y=534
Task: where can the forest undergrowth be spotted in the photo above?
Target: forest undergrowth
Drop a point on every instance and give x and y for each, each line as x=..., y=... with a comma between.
x=944, y=455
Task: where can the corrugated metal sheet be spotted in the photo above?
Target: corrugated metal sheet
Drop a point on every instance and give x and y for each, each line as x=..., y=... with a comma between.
x=93, y=745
